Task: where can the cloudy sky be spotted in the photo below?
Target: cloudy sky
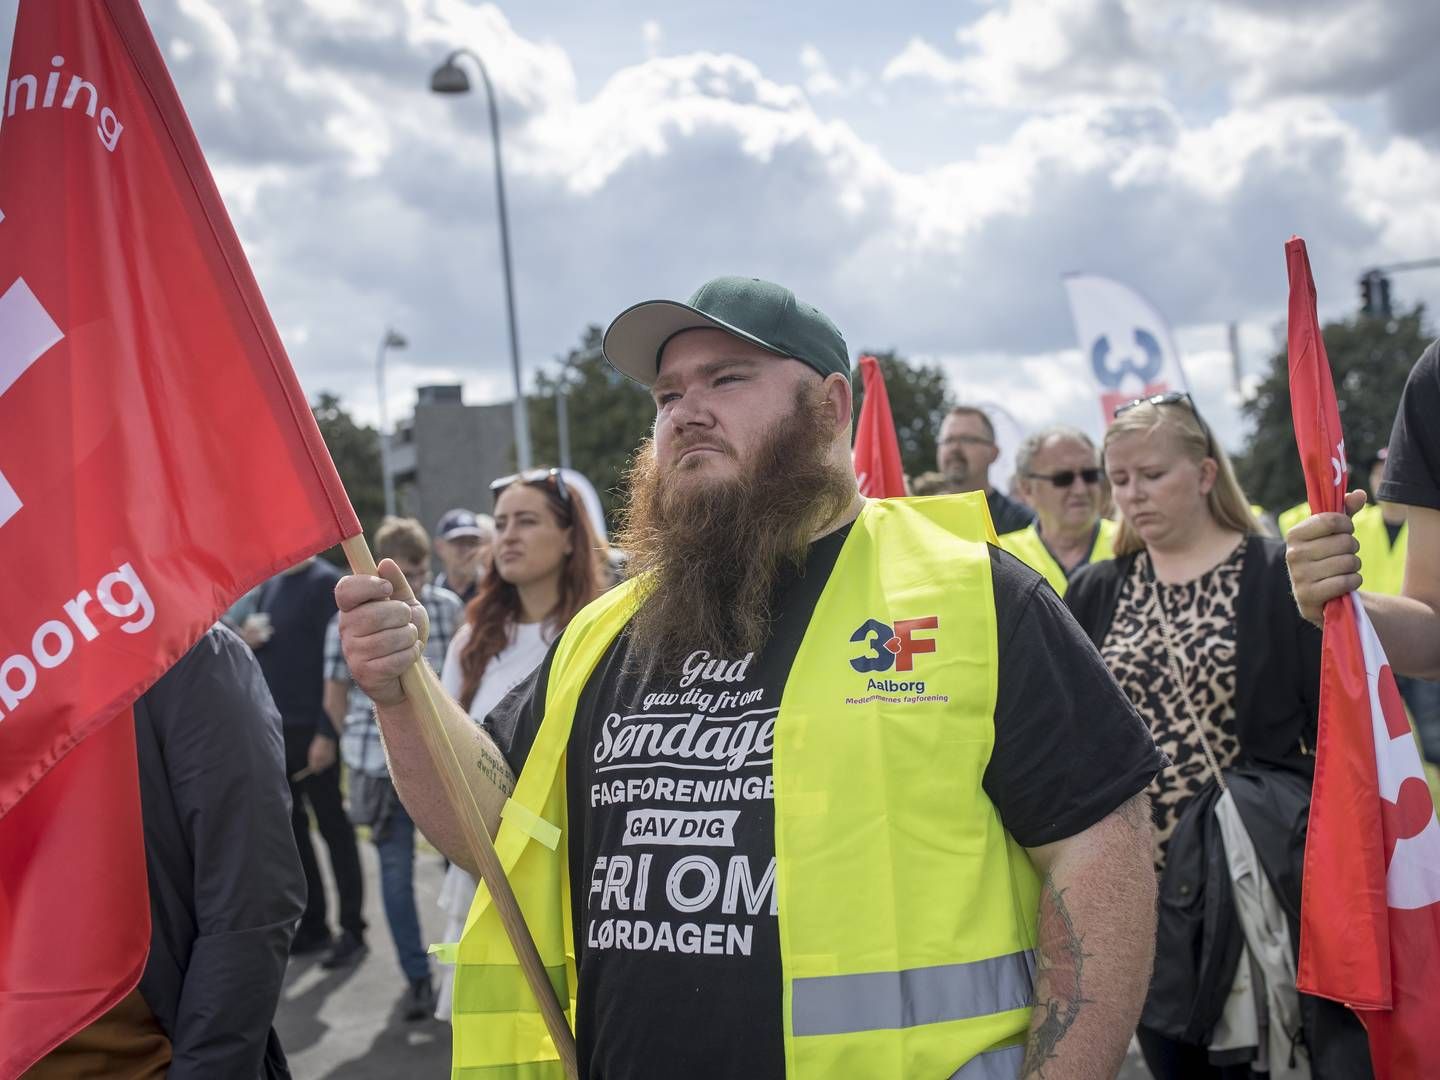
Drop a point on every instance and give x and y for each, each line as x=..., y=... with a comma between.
x=923, y=172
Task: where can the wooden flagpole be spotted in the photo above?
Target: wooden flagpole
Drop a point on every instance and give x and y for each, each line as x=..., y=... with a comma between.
x=477, y=837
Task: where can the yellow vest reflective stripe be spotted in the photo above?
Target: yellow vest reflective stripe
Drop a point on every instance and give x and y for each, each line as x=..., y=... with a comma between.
x=1026, y=545
x=841, y=1004
x=906, y=912
x=1382, y=564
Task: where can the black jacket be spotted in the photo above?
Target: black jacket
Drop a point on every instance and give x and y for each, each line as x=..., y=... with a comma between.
x=1277, y=653
x=225, y=882
x=1199, y=935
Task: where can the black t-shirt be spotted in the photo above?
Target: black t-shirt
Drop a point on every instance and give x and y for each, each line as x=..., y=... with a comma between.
x=1412, y=469
x=672, y=850
x=1007, y=514
x=300, y=605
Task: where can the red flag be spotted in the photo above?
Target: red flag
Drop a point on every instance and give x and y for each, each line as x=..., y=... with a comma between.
x=157, y=458
x=877, y=450
x=1370, y=916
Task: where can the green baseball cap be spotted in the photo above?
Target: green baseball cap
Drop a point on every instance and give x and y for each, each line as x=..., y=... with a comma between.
x=760, y=312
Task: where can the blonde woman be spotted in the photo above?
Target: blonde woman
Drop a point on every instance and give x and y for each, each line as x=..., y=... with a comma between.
x=1195, y=621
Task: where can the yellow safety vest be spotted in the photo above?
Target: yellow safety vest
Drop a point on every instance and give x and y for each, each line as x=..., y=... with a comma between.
x=1027, y=546
x=1382, y=564
x=906, y=912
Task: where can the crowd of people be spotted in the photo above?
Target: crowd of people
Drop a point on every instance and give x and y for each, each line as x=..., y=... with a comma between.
x=825, y=785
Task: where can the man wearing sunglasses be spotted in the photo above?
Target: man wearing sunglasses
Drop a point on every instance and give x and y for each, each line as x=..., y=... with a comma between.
x=1060, y=476
x=827, y=788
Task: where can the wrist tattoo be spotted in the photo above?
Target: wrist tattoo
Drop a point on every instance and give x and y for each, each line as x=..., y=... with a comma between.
x=1059, y=967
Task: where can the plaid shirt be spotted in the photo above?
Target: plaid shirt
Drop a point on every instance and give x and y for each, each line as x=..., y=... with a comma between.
x=360, y=742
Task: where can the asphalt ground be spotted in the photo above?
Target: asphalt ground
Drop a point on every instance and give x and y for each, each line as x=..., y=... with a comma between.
x=348, y=1023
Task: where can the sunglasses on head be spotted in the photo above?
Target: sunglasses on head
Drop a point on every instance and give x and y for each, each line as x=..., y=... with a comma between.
x=1173, y=397
x=1065, y=477
x=551, y=478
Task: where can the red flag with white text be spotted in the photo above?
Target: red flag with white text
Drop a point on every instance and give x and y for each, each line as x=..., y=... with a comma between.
x=1370, y=912
x=157, y=459
x=877, y=450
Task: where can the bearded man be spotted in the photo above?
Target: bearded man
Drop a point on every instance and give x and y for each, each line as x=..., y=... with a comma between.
x=827, y=788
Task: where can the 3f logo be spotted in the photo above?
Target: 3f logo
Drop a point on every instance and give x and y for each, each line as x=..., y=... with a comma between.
x=26, y=333
x=896, y=647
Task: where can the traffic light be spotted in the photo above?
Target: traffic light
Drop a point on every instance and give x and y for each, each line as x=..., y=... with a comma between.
x=1375, y=295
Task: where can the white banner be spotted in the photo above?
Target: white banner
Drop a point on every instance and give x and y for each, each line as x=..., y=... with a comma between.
x=1125, y=343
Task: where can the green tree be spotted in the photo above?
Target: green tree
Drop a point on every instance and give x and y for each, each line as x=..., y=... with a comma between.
x=356, y=453
x=919, y=399
x=608, y=414
x=1370, y=358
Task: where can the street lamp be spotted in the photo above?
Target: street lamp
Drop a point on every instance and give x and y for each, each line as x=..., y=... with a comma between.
x=391, y=340
x=562, y=401
x=450, y=78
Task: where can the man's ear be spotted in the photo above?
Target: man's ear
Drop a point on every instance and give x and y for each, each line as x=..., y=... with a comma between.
x=838, y=392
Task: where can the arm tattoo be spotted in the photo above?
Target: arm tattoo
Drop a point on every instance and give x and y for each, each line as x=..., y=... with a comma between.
x=496, y=771
x=1060, y=963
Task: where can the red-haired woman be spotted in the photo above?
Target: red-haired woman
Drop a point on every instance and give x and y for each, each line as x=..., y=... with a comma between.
x=547, y=566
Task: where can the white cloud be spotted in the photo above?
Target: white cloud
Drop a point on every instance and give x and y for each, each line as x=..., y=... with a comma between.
x=213, y=27
x=921, y=60
x=1356, y=49
x=366, y=201
x=821, y=82
x=1030, y=53
x=1052, y=53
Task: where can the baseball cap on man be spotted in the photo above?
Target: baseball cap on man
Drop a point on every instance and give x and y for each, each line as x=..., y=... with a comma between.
x=457, y=523
x=760, y=312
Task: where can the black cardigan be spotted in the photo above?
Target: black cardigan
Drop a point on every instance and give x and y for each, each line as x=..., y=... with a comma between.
x=1277, y=653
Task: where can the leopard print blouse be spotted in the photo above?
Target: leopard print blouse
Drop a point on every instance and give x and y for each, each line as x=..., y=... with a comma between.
x=1202, y=619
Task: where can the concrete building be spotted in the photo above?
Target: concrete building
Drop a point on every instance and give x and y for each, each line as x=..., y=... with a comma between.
x=446, y=454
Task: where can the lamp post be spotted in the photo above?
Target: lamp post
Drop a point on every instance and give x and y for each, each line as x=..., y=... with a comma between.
x=562, y=401
x=450, y=78
x=391, y=340
x=562, y=424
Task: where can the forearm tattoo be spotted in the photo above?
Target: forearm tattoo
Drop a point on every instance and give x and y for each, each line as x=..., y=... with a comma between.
x=1059, y=991
x=493, y=768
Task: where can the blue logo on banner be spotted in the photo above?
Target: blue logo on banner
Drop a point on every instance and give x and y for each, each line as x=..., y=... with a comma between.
x=1112, y=370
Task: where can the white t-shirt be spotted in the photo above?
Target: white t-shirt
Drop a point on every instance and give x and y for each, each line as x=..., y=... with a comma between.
x=528, y=644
